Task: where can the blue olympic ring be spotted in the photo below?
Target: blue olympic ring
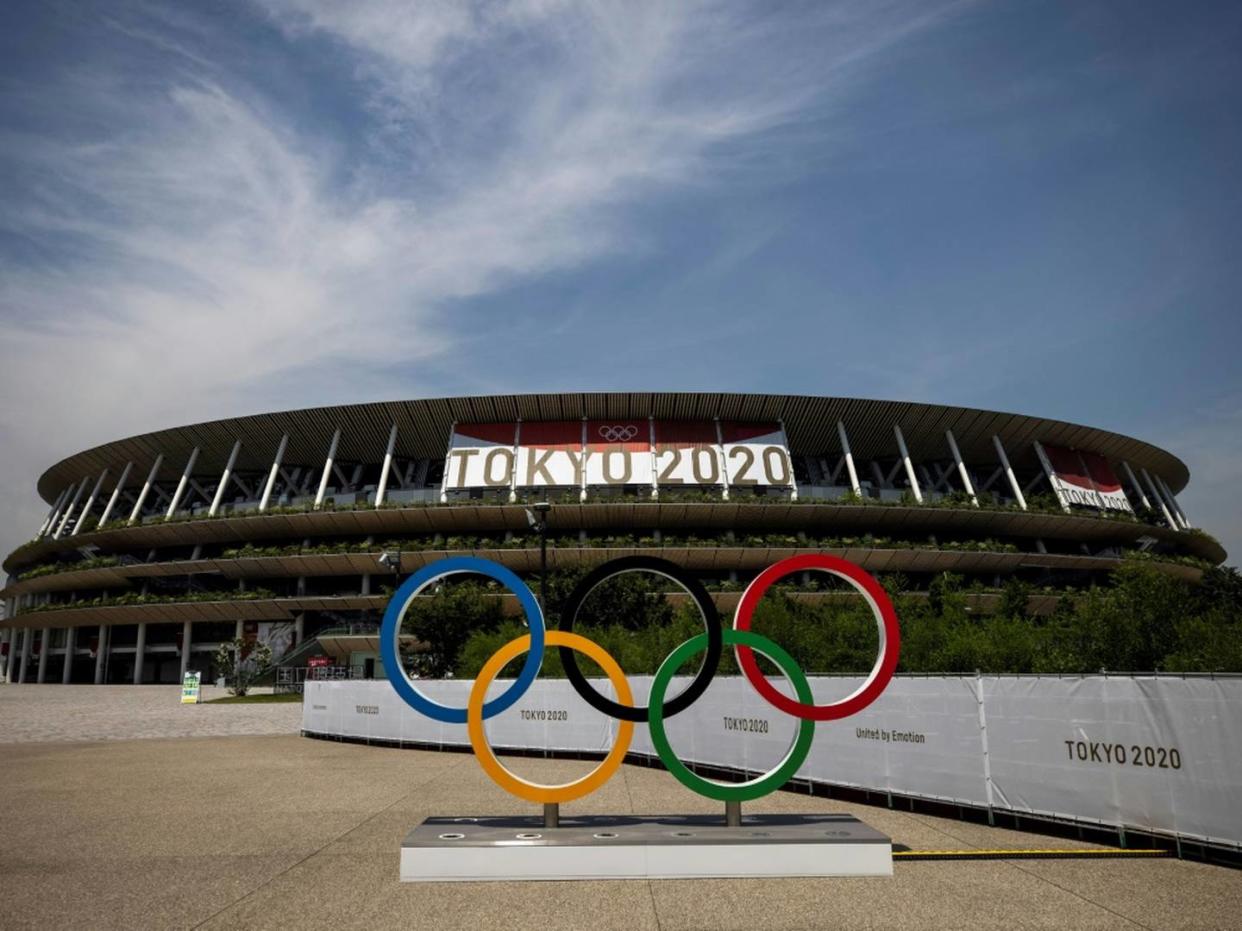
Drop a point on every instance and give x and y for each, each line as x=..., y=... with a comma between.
x=395, y=612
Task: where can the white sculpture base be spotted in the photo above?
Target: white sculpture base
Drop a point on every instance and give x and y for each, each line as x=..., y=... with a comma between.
x=642, y=847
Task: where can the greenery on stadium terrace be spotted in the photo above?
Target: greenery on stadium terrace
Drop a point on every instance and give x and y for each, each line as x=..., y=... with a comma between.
x=1142, y=620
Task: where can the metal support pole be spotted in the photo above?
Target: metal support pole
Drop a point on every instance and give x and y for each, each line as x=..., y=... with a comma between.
x=382, y=487
x=225, y=477
x=99, y=654
x=146, y=488
x=116, y=493
x=543, y=566
x=1173, y=503
x=327, y=469
x=1137, y=486
x=90, y=502
x=71, y=642
x=52, y=514
x=733, y=814
x=848, y=456
x=185, y=480
x=961, y=468
x=723, y=463
x=60, y=527
x=1155, y=493
x=905, y=458
x=1013, y=479
x=551, y=814
x=140, y=650
x=655, y=463
x=186, y=630
x=1051, y=474
x=793, y=479
x=275, y=470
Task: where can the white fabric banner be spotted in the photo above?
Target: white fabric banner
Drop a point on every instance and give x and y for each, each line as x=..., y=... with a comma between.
x=1156, y=753
x=756, y=454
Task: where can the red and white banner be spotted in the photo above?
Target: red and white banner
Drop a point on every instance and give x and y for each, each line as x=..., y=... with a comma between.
x=634, y=451
x=1082, y=478
x=618, y=452
x=480, y=456
x=756, y=454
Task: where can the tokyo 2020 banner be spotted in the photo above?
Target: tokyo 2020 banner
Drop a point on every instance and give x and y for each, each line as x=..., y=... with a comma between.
x=617, y=452
x=660, y=706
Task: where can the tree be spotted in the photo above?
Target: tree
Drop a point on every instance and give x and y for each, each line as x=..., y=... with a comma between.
x=443, y=622
x=242, y=661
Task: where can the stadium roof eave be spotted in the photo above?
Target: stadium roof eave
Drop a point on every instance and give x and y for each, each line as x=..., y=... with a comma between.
x=424, y=426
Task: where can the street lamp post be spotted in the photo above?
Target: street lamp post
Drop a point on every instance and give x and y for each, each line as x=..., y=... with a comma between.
x=537, y=517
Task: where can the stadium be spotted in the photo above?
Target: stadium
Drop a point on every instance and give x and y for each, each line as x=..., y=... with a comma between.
x=289, y=528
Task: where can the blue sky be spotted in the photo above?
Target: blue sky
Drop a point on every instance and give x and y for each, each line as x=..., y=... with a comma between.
x=214, y=210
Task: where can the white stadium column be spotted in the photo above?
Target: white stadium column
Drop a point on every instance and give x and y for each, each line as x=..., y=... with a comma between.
x=849, y=459
x=961, y=468
x=1173, y=502
x=1137, y=485
x=10, y=640
x=448, y=462
x=45, y=643
x=275, y=470
x=185, y=480
x=1051, y=474
x=140, y=650
x=53, y=514
x=1155, y=493
x=382, y=487
x=327, y=469
x=146, y=488
x=99, y=654
x=64, y=519
x=24, y=659
x=1013, y=479
x=793, y=481
x=225, y=477
x=723, y=464
x=116, y=493
x=655, y=465
x=70, y=645
x=90, y=502
x=299, y=628
x=905, y=458
x=186, y=631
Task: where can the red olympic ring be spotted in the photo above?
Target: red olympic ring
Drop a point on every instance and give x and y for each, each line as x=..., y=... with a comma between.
x=886, y=621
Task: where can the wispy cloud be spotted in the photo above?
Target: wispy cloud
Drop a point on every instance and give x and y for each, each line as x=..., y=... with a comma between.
x=188, y=242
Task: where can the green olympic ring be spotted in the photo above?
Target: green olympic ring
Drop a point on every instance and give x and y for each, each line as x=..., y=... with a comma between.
x=739, y=791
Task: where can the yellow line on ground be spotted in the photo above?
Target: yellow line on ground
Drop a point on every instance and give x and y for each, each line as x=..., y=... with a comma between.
x=1019, y=851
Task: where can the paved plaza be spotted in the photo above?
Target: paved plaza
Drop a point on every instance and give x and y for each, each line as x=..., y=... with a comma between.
x=56, y=713
x=273, y=830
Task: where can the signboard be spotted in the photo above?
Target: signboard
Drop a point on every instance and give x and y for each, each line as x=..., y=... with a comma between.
x=1082, y=478
x=190, y=688
x=615, y=452
x=1155, y=753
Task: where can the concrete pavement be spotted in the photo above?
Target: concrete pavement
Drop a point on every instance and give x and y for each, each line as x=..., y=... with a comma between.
x=281, y=831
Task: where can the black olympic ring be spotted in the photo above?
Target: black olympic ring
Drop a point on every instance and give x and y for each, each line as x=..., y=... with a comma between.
x=707, y=607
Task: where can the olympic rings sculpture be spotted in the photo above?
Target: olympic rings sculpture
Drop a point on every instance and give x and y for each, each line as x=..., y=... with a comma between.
x=710, y=643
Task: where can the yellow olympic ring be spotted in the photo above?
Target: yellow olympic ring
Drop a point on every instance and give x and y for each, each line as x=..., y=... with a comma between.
x=534, y=791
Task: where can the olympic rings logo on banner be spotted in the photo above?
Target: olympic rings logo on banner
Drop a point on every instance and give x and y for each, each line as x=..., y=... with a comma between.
x=618, y=434
x=710, y=643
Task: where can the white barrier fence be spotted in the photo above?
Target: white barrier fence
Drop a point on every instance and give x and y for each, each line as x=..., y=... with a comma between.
x=1144, y=753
